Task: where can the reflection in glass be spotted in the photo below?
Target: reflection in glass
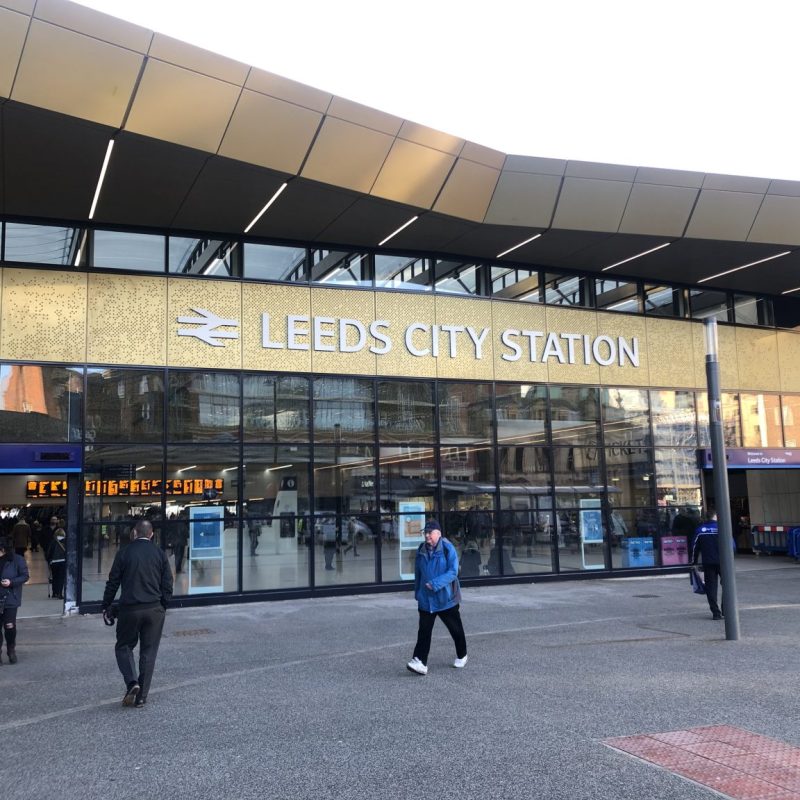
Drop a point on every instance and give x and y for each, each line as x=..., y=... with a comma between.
x=124, y=405
x=340, y=268
x=629, y=472
x=266, y=262
x=344, y=409
x=677, y=477
x=403, y=272
x=761, y=420
x=214, y=257
x=516, y=283
x=731, y=420
x=626, y=417
x=662, y=301
x=405, y=411
x=746, y=310
x=790, y=405
x=276, y=526
x=635, y=537
x=203, y=406
x=465, y=412
x=125, y=250
x=575, y=414
x=275, y=408
x=456, y=277
x=708, y=304
x=674, y=418
x=565, y=290
x=581, y=534
x=521, y=413
x=41, y=404
x=577, y=474
x=42, y=244
x=616, y=295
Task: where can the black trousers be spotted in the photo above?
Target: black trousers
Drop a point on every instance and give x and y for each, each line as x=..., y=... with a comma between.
x=711, y=578
x=59, y=571
x=142, y=625
x=8, y=619
x=452, y=620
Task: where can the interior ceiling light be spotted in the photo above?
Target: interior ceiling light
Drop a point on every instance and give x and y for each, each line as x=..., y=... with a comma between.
x=401, y=228
x=264, y=210
x=789, y=291
x=101, y=178
x=516, y=246
x=638, y=255
x=745, y=266
x=185, y=469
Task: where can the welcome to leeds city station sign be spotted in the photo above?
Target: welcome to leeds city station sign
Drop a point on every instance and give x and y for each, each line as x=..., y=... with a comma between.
x=321, y=334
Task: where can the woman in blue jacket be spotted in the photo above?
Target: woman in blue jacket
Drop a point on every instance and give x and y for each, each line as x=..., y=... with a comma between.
x=13, y=573
x=438, y=593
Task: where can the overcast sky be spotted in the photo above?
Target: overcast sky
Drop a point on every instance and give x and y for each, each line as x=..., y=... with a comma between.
x=700, y=85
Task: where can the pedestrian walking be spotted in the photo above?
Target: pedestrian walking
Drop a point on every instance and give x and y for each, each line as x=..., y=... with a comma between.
x=706, y=549
x=438, y=594
x=13, y=574
x=143, y=572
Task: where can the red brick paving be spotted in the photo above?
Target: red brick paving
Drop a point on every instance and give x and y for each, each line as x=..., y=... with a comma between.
x=729, y=760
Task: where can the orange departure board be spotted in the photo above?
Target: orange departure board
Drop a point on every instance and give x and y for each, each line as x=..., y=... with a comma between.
x=180, y=487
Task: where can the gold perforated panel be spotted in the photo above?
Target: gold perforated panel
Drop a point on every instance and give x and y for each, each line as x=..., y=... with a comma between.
x=400, y=311
x=570, y=320
x=44, y=315
x=514, y=317
x=473, y=343
x=670, y=354
x=339, y=305
x=127, y=320
x=788, y=344
x=728, y=357
x=222, y=300
x=757, y=356
x=633, y=330
x=278, y=302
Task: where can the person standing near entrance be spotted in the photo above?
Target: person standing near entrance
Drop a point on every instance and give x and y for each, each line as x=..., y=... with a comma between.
x=143, y=572
x=21, y=534
x=438, y=594
x=706, y=548
x=57, y=559
x=13, y=574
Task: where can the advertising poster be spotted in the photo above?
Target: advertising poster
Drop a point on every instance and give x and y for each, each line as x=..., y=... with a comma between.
x=591, y=521
x=410, y=523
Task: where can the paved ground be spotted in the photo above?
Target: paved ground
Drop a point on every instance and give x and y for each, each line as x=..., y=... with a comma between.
x=311, y=699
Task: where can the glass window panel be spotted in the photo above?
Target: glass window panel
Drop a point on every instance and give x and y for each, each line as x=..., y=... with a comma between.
x=761, y=420
x=746, y=310
x=626, y=417
x=614, y=295
x=344, y=409
x=456, y=277
x=565, y=290
x=677, y=477
x=347, y=521
x=575, y=414
x=731, y=420
x=465, y=412
x=276, y=407
x=405, y=411
x=41, y=404
x=204, y=480
x=791, y=419
x=635, y=537
x=276, y=525
x=125, y=250
x=340, y=268
x=629, y=472
x=521, y=413
x=674, y=418
x=467, y=476
x=403, y=272
x=707, y=304
x=516, y=283
x=42, y=244
x=203, y=406
x=581, y=535
x=214, y=257
x=124, y=405
x=661, y=301
x=266, y=262
x=121, y=484
x=578, y=475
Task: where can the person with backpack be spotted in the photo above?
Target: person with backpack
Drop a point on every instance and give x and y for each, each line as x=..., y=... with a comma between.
x=438, y=594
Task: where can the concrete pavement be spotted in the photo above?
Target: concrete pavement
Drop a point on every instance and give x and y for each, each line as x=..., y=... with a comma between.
x=311, y=699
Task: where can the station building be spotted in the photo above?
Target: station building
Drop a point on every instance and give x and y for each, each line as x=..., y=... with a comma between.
x=288, y=328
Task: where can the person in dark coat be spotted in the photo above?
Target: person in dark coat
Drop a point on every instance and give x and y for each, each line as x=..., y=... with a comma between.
x=57, y=559
x=21, y=533
x=706, y=549
x=143, y=572
x=13, y=574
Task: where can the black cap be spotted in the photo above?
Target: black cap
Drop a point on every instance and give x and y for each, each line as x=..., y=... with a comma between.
x=432, y=525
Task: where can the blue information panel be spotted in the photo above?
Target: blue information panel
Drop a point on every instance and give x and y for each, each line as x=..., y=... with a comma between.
x=206, y=525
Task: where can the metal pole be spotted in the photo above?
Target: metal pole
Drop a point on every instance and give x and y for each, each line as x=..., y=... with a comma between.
x=721, y=493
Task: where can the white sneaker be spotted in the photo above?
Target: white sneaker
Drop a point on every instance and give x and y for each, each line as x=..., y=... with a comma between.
x=415, y=665
x=460, y=663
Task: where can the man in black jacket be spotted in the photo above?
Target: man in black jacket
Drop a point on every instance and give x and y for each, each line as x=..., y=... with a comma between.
x=706, y=549
x=143, y=572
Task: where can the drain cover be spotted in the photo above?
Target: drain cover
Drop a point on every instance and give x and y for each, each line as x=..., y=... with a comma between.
x=647, y=595
x=193, y=632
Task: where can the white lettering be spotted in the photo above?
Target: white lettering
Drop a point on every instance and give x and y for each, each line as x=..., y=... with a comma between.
x=478, y=340
x=410, y=331
x=604, y=361
x=381, y=337
x=435, y=342
x=344, y=345
x=532, y=337
x=453, y=331
x=320, y=333
x=293, y=331
x=571, y=339
x=631, y=351
x=553, y=348
x=506, y=339
x=266, y=339
x=587, y=353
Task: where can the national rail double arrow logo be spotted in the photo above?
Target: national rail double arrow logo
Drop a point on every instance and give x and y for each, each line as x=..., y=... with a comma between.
x=210, y=323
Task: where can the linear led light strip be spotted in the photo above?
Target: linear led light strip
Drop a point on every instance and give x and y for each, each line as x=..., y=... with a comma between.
x=745, y=266
x=264, y=210
x=101, y=178
x=638, y=255
x=517, y=246
x=401, y=228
